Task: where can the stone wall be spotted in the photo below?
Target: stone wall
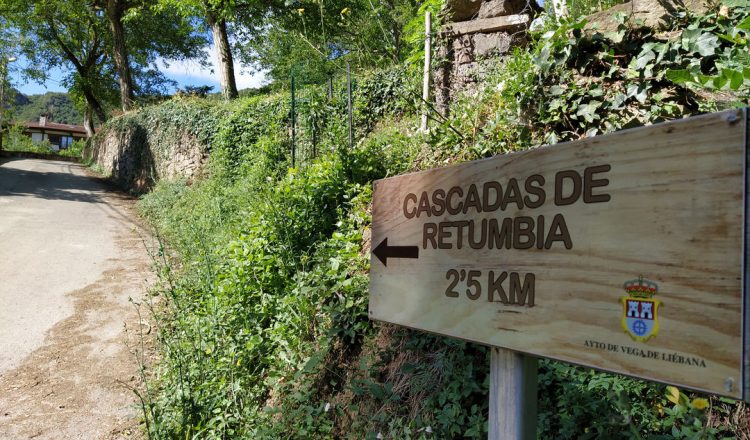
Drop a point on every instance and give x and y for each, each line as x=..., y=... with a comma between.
x=471, y=38
x=476, y=32
x=135, y=160
x=656, y=14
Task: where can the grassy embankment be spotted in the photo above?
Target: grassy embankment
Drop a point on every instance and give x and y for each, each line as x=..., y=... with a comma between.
x=262, y=319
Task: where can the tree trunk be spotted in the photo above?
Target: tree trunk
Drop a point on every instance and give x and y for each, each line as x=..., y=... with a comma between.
x=93, y=107
x=88, y=122
x=224, y=51
x=115, y=11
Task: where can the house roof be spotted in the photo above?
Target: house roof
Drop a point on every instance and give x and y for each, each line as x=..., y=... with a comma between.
x=55, y=126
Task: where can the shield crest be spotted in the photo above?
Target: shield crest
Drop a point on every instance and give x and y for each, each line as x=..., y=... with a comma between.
x=640, y=311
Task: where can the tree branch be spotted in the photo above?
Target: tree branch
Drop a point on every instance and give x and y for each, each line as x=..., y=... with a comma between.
x=68, y=52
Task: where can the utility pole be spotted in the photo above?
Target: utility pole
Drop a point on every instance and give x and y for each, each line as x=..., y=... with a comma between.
x=3, y=73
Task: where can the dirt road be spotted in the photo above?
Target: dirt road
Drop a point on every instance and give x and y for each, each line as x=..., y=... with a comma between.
x=71, y=257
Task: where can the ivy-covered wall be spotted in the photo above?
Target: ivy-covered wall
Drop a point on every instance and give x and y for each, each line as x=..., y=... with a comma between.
x=167, y=141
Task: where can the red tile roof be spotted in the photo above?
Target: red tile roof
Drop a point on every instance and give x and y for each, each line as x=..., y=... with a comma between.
x=55, y=126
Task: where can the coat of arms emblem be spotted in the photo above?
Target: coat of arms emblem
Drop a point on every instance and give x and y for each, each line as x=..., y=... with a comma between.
x=640, y=319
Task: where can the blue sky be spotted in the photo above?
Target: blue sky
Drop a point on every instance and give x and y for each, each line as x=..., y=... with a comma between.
x=186, y=73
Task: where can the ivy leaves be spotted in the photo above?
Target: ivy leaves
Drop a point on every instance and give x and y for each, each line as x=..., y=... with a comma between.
x=694, y=39
x=600, y=83
x=727, y=78
x=574, y=82
x=721, y=41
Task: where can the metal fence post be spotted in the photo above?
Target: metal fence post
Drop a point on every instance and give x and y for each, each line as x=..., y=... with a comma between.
x=294, y=123
x=513, y=395
x=314, y=128
x=349, y=103
x=426, y=73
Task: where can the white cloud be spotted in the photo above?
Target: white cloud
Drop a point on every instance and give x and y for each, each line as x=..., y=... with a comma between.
x=192, y=71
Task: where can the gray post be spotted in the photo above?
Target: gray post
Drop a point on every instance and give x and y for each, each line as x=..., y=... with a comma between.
x=426, y=73
x=313, y=128
x=294, y=122
x=349, y=103
x=513, y=399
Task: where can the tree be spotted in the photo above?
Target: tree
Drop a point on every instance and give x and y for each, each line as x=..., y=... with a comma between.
x=77, y=35
x=115, y=10
x=217, y=15
x=61, y=32
x=316, y=37
x=6, y=50
x=154, y=35
x=171, y=36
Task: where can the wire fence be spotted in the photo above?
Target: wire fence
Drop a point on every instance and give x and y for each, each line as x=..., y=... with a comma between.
x=322, y=116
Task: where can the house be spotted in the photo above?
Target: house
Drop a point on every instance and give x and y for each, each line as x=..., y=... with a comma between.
x=60, y=136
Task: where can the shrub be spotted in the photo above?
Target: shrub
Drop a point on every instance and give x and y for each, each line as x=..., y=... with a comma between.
x=266, y=332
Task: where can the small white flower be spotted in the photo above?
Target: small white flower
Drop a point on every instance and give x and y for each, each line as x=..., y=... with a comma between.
x=428, y=430
x=379, y=435
x=327, y=407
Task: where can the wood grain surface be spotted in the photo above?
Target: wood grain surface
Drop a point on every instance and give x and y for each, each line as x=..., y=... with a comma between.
x=664, y=203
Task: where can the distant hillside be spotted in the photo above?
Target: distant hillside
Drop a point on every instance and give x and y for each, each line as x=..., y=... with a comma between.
x=59, y=105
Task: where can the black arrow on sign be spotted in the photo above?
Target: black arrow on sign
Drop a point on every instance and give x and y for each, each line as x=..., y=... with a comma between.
x=384, y=252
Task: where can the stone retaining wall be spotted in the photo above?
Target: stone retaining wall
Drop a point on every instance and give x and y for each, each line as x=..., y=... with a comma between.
x=135, y=161
x=463, y=49
x=464, y=55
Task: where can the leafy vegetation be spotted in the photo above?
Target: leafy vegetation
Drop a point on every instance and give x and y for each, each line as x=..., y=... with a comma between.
x=581, y=8
x=94, y=53
x=58, y=105
x=575, y=82
x=262, y=308
x=15, y=140
x=263, y=315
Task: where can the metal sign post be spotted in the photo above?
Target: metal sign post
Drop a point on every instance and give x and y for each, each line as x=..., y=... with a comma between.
x=513, y=395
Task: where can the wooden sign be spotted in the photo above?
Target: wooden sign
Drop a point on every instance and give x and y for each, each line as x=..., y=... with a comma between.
x=622, y=252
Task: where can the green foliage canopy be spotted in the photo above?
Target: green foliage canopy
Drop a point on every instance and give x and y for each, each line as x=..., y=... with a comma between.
x=74, y=35
x=315, y=39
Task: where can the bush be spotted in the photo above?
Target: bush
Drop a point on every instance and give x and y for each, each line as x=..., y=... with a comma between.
x=265, y=332
x=16, y=140
x=256, y=299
